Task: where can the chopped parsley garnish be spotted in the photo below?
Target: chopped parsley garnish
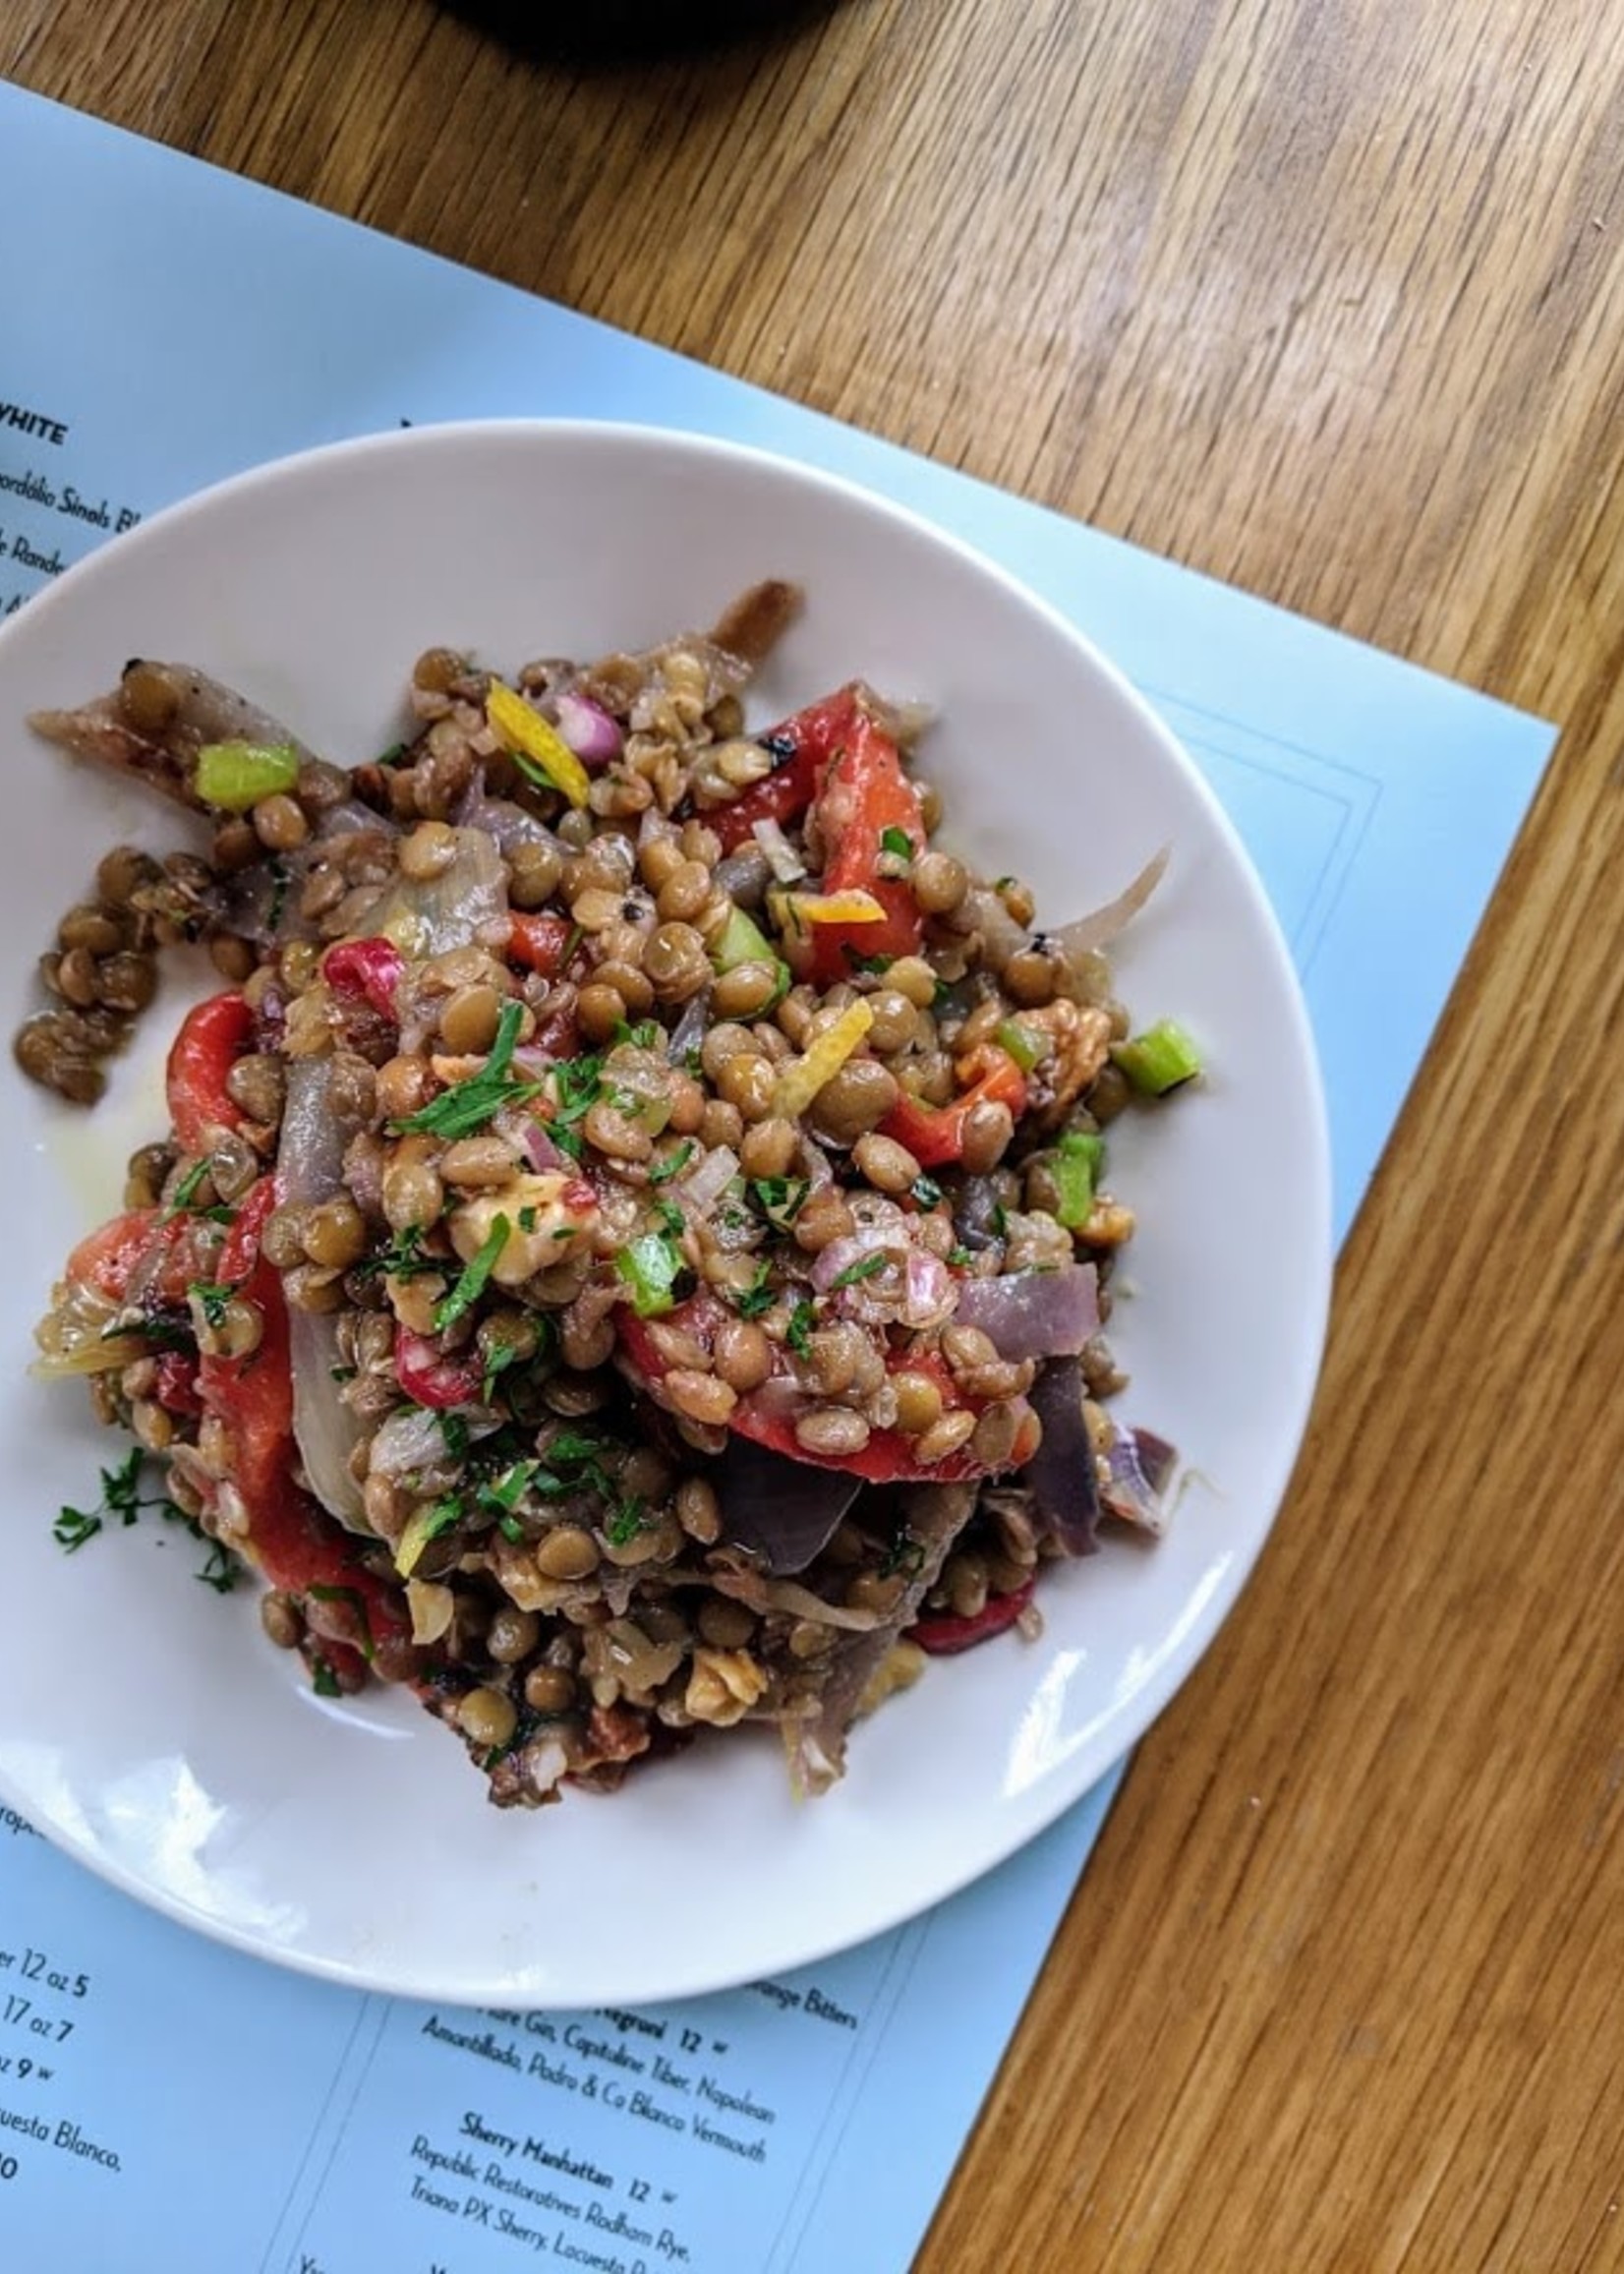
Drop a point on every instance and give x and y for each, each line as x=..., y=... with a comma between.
x=576, y=1448
x=453, y=1427
x=280, y=878
x=574, y=1462
x=647, y=1035
x=625, y=1523
x=576, y=1083
x=470, y=1281
x=780, y=1198
x=122, y=1497
x=903, y=1556
x=927, y=1191
x=212, y=1299
x=875, y=965
x=324, y=1681
x=439, y=1517
x=186, y=1191
x=864, y=1268
x=73, y=1526
x=498, y=1357
x=750, y=1302
x=897, y=842
x=961, y=1258
x=403, y=1258
x=500, y=1495
x=220, y=1568
x=673, y=1164
x=185, y=1202
x=798, y=1332
x=533, y=770
x=468, y=1105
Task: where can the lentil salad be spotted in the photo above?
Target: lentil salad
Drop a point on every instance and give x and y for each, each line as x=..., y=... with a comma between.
x=631, y=1250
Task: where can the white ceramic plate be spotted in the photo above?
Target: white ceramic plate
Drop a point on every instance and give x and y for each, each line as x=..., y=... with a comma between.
x=148, y=1729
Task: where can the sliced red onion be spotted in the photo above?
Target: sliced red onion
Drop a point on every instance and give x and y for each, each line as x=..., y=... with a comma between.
x=1085, y=934
x=593, y=735
x=508, y=825
x=763, y=1595
x=351, y=817
x=782, y=859
x=1034, y=1313
x=906, y=722
x=309, y=1167
x=784, y=1511
x=690, y=1029
x=744, y=876
x=780, y=1398
x=698, y=1193
x=841, y=1256
x=410, y=1440
x=1061, y=1476
x=450, y=910
x=1140, y=1465
x=930, y=1293
x=1157, y=1458
x=541, y=1152
x=981, y=910
x=934, y=1515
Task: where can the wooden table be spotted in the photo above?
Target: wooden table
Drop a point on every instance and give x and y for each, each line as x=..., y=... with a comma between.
x=1327, y=300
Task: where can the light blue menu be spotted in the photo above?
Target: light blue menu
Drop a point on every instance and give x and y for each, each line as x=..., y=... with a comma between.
x=167, y=2103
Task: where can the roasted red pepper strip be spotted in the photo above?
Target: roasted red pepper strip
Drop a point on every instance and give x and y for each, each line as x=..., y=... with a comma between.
x=802, y=747
x=863, y=796
x=945, y=1635
x=294, y=1541
x=158, y=1244
x=891, y=1456
x=539, y=943
x=214, y=1036
x=431, y=1378
x=935, y=1134
x=368, y=969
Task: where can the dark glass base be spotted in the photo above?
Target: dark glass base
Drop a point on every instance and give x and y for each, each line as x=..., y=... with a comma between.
x=629, y=31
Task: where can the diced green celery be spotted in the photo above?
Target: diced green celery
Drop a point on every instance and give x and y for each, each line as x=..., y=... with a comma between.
x=1025, y=1044
x=233, y=776
x=741, y=941
x=1159, y=1059
x=650, y=1265
x=1077, y=1161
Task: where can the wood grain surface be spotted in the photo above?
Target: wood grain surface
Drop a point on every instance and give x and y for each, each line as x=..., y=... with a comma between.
x=1325, y=297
